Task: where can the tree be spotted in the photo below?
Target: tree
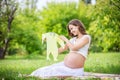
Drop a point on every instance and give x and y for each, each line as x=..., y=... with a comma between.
x=7, y=11
x=25, y=34
x=106, y=26
x=55, y=16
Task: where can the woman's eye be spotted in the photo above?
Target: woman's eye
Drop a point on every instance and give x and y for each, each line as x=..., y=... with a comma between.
x=70, y=29
x=75, y=27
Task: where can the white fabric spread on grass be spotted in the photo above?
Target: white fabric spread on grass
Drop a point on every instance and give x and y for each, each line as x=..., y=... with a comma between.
x=58, y=69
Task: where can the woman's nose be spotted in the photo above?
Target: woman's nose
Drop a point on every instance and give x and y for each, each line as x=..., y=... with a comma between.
x=72, y=30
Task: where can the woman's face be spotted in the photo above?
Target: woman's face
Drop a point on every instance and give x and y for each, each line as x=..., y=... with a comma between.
x=74, y=30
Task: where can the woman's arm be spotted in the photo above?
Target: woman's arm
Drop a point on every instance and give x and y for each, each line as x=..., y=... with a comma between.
x=77, y=46
x=61, y=49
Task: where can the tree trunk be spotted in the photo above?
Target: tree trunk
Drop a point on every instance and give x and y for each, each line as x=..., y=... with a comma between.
x=10, y=17
x=2, y=53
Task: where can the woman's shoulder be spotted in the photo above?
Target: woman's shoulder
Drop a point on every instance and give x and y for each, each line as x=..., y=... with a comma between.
x=87, y=35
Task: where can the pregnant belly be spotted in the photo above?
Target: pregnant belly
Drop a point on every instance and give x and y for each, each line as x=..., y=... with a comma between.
x=74, y=60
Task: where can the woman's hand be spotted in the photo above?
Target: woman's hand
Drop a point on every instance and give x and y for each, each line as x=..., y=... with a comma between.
x=63, y=38
x=68, y=44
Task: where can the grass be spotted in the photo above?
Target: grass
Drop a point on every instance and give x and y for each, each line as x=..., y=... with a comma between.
x=103, y=63
x=12, y=67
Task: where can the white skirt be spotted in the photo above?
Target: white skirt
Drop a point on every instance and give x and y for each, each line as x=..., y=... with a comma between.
x=58, y=69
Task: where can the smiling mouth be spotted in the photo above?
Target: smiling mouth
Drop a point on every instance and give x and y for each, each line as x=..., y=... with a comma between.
x=75, y=35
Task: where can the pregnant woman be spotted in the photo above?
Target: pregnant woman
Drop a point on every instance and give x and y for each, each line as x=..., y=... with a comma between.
x=73, y=63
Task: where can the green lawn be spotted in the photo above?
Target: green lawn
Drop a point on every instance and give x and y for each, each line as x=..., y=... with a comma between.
x=13, y=66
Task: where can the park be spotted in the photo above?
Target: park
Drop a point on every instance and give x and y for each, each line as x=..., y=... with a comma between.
x=21, y=29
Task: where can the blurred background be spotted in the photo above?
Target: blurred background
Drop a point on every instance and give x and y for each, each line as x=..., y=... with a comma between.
x=22, y=22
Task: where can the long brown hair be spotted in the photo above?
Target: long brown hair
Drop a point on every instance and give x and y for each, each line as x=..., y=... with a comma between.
x=78, y=23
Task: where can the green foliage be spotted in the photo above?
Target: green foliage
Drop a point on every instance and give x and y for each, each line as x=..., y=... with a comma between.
x=105, y=26
x=84, y=12
x=25, y=34
x=55, y=17
x=101, y=22
x=6, y=8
